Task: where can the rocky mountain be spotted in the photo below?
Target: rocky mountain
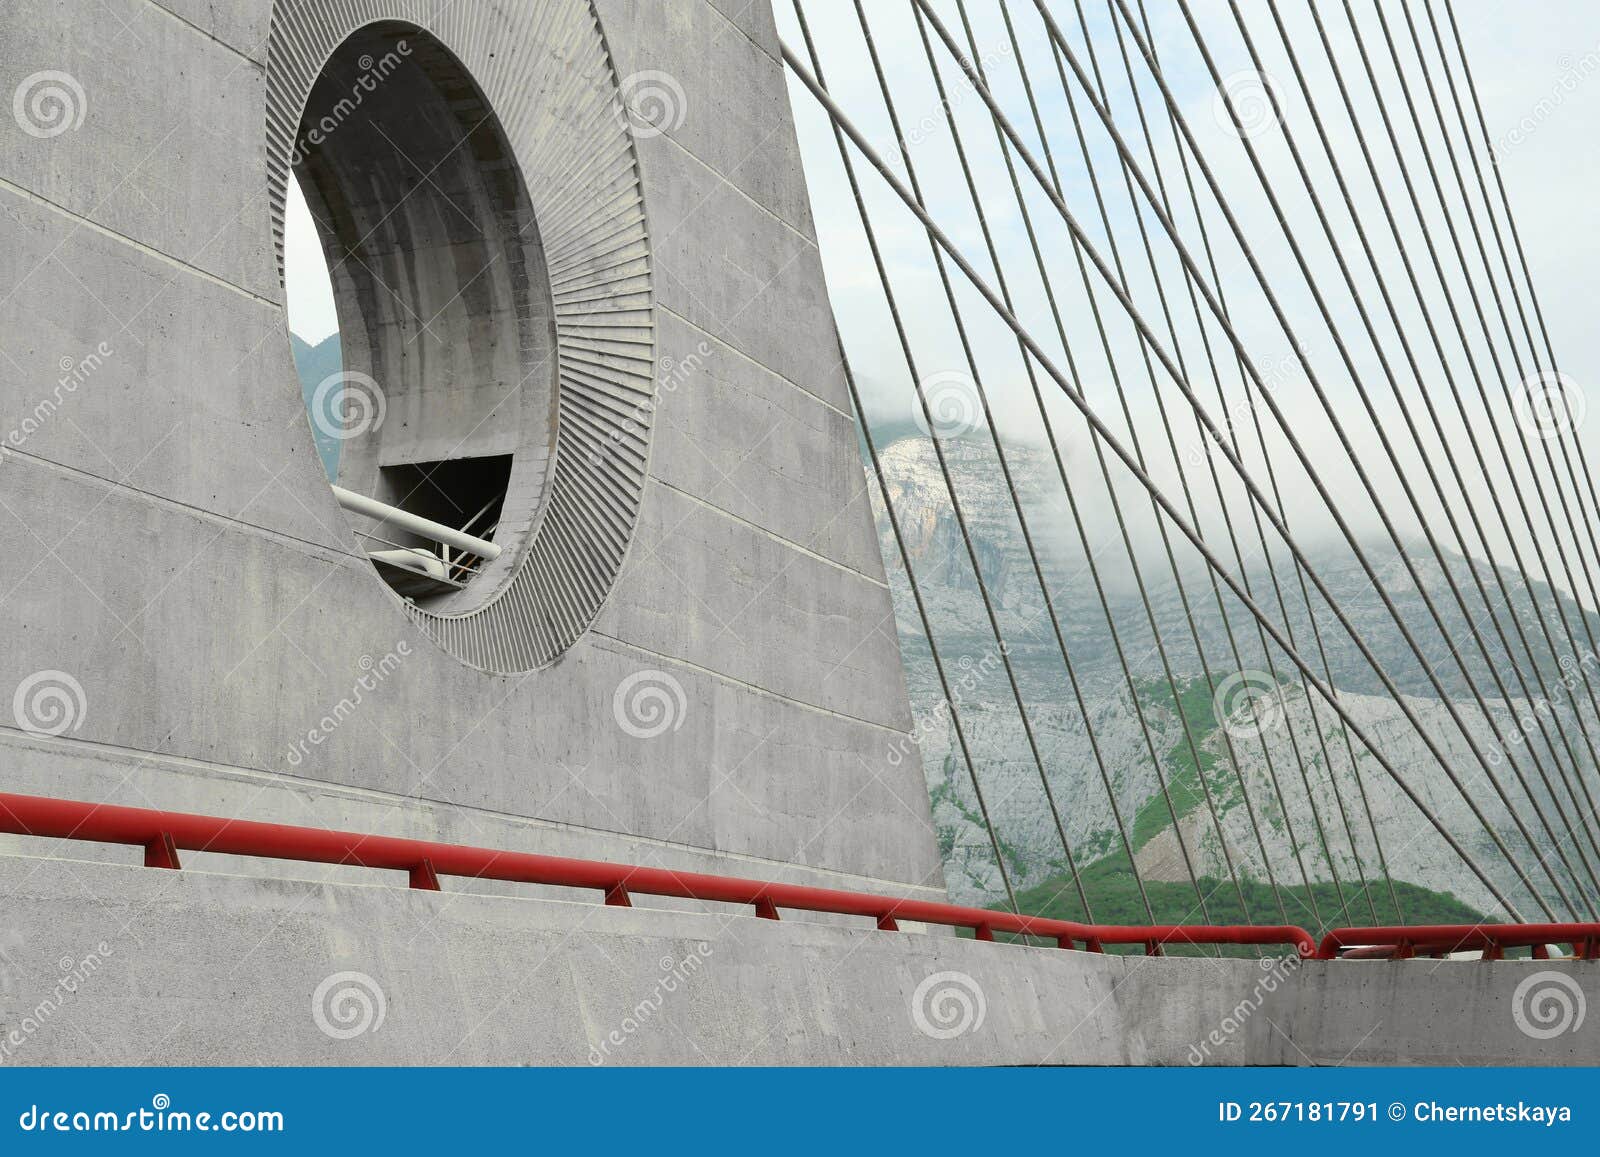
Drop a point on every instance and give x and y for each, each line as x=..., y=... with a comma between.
x=1227, y=751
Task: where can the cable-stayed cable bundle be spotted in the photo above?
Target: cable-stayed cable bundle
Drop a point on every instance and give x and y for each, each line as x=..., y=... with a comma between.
x=1250, y=289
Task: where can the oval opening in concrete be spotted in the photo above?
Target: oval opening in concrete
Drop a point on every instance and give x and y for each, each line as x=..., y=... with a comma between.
x=446, y=407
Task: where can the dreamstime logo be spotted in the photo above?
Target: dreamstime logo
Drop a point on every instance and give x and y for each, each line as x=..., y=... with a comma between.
x=1252, y=98
x=935, y=121
x=951, y=407
x=1275, y=971
x=1572, y=74
x=653, y=103
x=649, y=703
x=349, y=1004
x=49, y=703
x=1549, y=405
x=948, y=1005
x=969, y=677
x=48, y=104
x=373, y=73
x=74, y=973
x=1239, y=414
x=1548, y=1004
x=675, y=974
x=1248, y=703
x=373, y=673
x=75, y=372
x=347, y=405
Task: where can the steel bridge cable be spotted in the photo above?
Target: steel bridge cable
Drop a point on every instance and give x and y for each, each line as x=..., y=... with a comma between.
x=1466, y=421
x=1172, y=442
x=1488, y=338
x=1278, y=415
x=1477, y=304
x=1499, y=302
x=1116, y=256
x=905, y=556
x=944, y=467
x=1401, y=475
x=1044, y=586
x=1105, y=434
x=1111, y=362
x=1277, y=495
x=1586, y=516
x=1005, y=466
x=1033, y=379
x=1522, y=257
x=1114, y=501
x=1299, y=449
x=1216, y=377
x=1567, y=520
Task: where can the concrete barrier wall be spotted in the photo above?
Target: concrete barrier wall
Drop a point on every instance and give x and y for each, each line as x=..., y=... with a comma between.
x=321, y=973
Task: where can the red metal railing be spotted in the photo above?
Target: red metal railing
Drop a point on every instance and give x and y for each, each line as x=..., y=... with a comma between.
x=163, y=835
x=1492, y=940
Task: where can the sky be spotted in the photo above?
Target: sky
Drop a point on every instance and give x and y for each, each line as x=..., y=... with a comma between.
x=1537, y=67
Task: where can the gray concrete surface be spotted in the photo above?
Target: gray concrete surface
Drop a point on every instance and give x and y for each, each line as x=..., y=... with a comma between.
x=319, y=973
x=177, y=553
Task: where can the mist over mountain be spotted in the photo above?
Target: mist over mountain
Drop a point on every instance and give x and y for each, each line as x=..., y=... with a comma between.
x=1262, y=809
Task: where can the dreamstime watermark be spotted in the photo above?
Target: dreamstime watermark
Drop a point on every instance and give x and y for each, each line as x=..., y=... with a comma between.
x=672, y=374
x=374, y=672
x=1248, y=703
x=647, y=704
x=951, y=406
x=653, y=103
x=956, y=94
x=969, y=675
x=1572, y=74
x=347, y=405
x=1549, y=405
x=675, y=973
x=74, y=373
x=1276, y=970
x=1241, y=411
x=947, y=1005
x=73, y=974
x=1246, y=104
x=1547, y=1005
x=349, y=1004
x=160, y=1117
x=49, y=703
x=1574, y=673
x=49, y=103
x=374, y=71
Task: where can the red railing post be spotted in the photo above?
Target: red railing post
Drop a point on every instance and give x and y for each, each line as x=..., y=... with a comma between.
x=423, y=876
x=161, y=852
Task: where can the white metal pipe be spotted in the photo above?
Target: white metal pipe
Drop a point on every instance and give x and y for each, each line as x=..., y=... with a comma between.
x=416, y=524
